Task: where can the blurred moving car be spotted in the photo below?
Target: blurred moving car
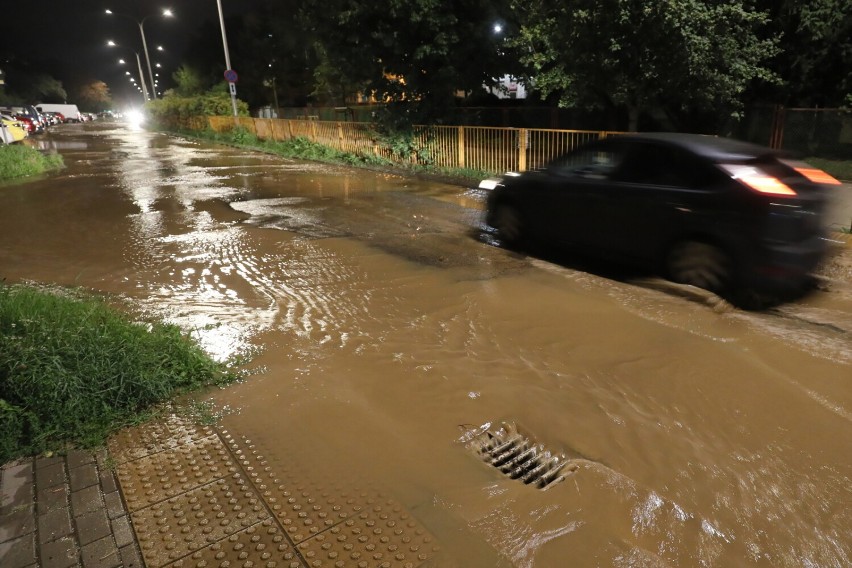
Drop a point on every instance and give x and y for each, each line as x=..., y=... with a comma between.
x=11, y=130
x=716, y=213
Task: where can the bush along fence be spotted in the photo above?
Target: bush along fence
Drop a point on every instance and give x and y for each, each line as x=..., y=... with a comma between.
x=479, y=148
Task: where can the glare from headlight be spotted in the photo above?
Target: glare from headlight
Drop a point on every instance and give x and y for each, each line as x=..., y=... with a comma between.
x=135, y=117
x=489, y=183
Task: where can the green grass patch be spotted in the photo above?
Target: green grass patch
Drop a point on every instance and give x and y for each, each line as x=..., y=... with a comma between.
x=300, y=147
x=18, y=161
x=841, y=169
x=305, y=149
x=73, y=369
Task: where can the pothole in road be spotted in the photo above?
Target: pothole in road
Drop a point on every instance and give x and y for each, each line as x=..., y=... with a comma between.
x=517, y=455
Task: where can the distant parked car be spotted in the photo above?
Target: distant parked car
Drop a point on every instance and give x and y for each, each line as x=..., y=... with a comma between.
x=55, y=117
x=716, y=213
x=30, y=112
x=11, y=130
x=30, y=125
x=71, y=112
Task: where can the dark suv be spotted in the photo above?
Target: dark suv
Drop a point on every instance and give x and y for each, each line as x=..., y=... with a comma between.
x=712, y=212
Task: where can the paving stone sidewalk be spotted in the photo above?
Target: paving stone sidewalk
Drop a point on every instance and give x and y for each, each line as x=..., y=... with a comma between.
x=64, y=511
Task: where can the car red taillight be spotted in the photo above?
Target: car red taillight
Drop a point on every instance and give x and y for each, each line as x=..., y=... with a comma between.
x=813, y=174
x=818, y=176
x=758, y=180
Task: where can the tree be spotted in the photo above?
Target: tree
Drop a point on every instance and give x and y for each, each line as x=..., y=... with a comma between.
x=680, y=56
x=279, y=58
x=94, y=96
x=405, y=50
x=45, y=88
x=188, y=82
x=815, y=56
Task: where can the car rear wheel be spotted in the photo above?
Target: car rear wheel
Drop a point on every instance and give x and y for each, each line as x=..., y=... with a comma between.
x=509, y=224
x=702, y=265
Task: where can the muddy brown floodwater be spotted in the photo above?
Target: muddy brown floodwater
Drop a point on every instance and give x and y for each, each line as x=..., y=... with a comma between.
x=385, y=334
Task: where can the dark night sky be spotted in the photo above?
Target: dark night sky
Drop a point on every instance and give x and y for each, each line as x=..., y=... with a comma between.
x=71, y=35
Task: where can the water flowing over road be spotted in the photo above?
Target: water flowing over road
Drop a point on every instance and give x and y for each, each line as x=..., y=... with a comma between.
x=386, y=334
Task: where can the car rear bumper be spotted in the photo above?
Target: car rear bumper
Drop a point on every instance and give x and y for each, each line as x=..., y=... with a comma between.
x=785, y=267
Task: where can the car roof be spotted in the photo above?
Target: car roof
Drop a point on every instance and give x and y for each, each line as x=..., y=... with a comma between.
x=711, y=147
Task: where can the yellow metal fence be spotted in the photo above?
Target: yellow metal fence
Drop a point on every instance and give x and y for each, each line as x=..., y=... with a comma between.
x=480, y=148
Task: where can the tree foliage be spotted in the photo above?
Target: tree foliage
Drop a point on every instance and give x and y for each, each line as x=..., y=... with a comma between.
x=678, y=55
x=94, y=95
x=815, y=62
x=276, y=55
x=188, y=82
x=35, y=87
x=682, y=62
x=415, y=50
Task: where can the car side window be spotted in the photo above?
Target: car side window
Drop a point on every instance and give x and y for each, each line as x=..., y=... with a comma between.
x=661, y=165
x=596, y=162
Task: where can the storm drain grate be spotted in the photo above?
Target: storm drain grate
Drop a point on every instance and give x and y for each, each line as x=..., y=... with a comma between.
x=517, y=455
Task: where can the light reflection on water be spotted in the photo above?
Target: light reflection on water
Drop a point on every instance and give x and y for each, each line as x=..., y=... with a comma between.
x=710, y=437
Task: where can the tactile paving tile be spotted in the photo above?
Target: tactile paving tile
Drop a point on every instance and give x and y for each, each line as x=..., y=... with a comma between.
x=304, y=502
x=261, y=545
x=156, y=477
x=384, y=536
x=170, y=530
x=155, y=436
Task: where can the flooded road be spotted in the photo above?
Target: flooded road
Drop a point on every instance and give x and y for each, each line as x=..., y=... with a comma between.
x=385, y=336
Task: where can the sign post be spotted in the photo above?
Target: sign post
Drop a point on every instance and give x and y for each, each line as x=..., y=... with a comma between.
x=232, y=87
x=231, y=77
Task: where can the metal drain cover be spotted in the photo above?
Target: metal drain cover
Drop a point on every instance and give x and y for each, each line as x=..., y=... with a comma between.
x=516, y=455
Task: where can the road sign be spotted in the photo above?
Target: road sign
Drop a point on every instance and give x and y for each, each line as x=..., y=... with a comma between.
x=231, y=76
x=233, y=88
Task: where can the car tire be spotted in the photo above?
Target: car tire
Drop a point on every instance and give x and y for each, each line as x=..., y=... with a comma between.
x=702, y=265
x=508, y=222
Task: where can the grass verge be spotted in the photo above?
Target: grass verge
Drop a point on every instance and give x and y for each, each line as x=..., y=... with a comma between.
x=20, y=161
x=305, y=149
x=73, y=369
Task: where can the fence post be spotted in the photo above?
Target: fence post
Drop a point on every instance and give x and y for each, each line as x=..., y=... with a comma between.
x=313, y=129
x=522, y=149
x=776, y=136
x=461, y=146
x=340, y=136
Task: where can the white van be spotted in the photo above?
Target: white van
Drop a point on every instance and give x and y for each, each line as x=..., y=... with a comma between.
x=70, y=112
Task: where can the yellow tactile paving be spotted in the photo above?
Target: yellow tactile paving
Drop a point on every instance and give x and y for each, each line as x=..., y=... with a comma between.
x=156, y=436
x=176, y=470
x=261, y=545
x=172, y=529
x=200, y=497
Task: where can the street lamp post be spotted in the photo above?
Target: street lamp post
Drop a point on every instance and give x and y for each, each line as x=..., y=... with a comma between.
x=141, y=23
x=138, y=64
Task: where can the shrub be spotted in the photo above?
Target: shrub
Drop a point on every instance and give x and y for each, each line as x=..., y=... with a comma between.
x=178, y=112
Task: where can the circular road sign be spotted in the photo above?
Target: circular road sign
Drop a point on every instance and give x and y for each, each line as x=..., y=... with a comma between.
x=231, y=76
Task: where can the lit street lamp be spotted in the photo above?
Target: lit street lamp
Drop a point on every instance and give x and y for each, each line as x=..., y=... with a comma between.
x=141, y=23
x=138, y=64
